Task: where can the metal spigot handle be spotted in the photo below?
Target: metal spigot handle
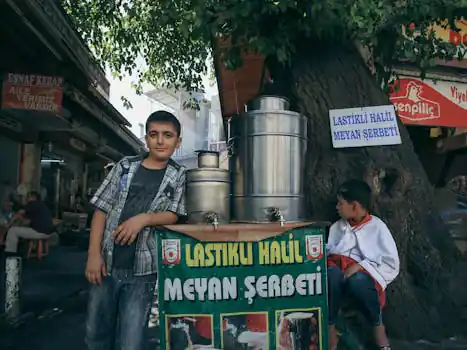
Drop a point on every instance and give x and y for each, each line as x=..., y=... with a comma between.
x=274, y=214
x=212, y=218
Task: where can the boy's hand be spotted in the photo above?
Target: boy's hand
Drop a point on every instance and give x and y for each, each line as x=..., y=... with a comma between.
x=95, y=268
x=351, y=270
x=127, y=232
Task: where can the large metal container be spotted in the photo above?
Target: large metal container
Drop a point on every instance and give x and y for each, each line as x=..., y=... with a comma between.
x=268, y=103
x=268, y=163
x=208, y=194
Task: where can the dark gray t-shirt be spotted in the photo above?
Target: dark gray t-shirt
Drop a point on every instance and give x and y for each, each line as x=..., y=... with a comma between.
x=143, y=189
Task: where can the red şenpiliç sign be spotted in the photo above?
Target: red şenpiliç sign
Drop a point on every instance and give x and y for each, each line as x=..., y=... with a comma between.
x=32, y=92
x=430, y=103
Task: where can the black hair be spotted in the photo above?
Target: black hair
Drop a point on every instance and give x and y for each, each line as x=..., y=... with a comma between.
x=356, y=191
x=165, y=117
x=35, y=194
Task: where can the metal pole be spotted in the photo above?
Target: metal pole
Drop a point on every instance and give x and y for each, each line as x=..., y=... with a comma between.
x=57, y=192
x=2, y=284
x=13, y=267
x=85, y=183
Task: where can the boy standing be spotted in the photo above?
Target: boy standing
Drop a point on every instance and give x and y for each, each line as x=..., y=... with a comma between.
x=362, y=260
x=138, y=194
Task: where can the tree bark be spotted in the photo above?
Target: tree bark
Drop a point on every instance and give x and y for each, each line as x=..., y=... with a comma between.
x=333, y=77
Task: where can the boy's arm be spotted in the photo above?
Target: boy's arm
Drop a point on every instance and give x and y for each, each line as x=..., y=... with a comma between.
x=127, y=232
x=95, y=265
x=103, y=200
x=159, y=219
x=387, y=261
x=107, y=192
x=176, y=207
x=97, y=232
x=332, y=238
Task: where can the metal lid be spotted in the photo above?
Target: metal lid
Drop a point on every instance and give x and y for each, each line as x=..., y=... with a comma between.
x=268, y=103
x=206, y=151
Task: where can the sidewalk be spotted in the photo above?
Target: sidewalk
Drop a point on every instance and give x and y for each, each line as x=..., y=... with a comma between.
x=47, y=282
x=60, y=330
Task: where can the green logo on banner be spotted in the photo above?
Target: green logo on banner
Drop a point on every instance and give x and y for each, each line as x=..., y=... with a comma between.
x=263, y=295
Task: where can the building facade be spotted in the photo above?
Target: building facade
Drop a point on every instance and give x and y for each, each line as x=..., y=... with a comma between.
x=57, y=127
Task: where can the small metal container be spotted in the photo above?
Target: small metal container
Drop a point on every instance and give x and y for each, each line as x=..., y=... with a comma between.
x=208, y=159
x=207, y=193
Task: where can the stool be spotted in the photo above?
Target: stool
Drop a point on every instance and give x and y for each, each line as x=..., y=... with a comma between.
x=38, y=248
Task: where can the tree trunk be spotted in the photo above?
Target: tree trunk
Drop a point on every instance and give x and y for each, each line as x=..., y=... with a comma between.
x=332, y=77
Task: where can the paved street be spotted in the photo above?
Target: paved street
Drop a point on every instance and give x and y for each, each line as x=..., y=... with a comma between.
x=53, y=300
x=54, y=329
x=60, y=310
x=62, y=328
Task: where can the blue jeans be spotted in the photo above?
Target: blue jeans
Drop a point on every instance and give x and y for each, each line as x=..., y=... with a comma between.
x=360, y=288
x=118, y=311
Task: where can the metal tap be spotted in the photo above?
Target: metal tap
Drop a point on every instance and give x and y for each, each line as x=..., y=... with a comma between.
x=275, y=214
x=212, y=218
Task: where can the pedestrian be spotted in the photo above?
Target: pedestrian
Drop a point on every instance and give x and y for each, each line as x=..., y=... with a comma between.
x=138, y=194
x=40, y=224
x=362, y=260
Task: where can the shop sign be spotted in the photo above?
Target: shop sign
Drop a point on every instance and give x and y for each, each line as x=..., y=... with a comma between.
x=32, y=92
x=267, y=294
x=430, y=103
x=364, y=126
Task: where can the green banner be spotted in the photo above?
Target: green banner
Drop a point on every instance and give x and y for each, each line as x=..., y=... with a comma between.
x=261, y=295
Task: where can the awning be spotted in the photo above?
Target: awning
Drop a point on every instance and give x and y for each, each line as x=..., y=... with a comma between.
x=40, y=121
x=452, y=143
x=237, y=87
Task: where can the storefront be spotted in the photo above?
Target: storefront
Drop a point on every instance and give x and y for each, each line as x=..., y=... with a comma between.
x=10, y=157
x=435, y=113
x=55, y=116
x=61, y=178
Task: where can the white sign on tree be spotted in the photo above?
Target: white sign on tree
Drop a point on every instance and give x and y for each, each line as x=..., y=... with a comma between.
x=365, y=126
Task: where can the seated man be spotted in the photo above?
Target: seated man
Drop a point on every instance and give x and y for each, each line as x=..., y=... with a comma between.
x=362, y=260
x=40, y=223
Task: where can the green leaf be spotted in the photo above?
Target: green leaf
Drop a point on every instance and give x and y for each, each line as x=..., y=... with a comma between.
x=174, y=37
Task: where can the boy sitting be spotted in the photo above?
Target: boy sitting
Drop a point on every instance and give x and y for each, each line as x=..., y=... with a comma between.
x=362, y=260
